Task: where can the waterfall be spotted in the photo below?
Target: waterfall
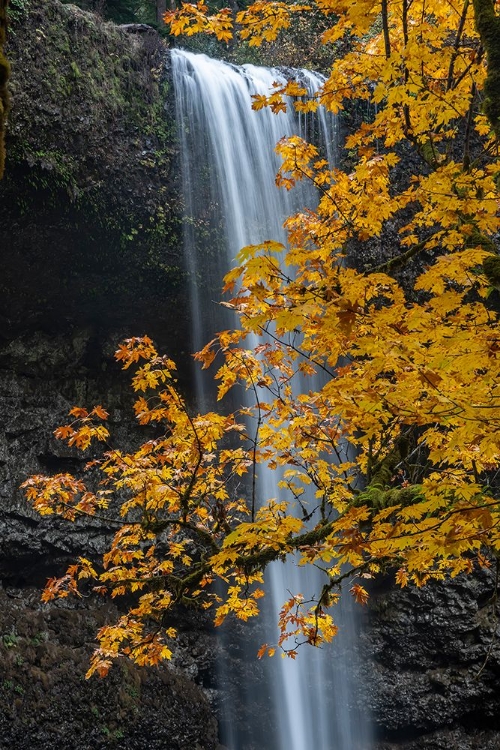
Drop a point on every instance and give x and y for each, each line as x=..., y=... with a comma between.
x=228, y=170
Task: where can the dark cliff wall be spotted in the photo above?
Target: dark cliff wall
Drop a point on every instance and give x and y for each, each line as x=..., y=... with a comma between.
x=431, y=664
x=4, y=77
x=89, y=229
x=90, y=252
x=90, y=249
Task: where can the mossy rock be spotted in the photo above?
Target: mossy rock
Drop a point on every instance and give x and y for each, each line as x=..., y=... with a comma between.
x=89, y=203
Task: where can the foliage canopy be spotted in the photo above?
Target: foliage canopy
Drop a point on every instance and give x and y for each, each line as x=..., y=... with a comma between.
x=410, y=379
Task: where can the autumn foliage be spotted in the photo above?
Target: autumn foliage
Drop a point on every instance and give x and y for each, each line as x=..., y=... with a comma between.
x=4, y=77
x=388, y=453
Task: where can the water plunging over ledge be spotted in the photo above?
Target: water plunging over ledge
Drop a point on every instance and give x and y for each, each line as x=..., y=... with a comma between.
x=228, y=170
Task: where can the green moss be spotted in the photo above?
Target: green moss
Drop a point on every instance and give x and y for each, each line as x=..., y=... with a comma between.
x=75, y=70
x=90, y=152
x=379, y=499
x=18, y=10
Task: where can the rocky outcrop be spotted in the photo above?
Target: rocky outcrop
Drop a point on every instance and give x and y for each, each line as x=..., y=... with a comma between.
x=89, y=216
x=431, y=665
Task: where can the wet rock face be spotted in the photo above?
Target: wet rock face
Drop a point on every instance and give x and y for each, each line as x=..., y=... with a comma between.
x=432, y=665
x=90, y=246
x=41, y=377
x=89, y=209
x=45, y=701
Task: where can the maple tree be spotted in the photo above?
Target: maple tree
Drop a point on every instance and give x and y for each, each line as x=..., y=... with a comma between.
x=388, y=453
x=4, y=77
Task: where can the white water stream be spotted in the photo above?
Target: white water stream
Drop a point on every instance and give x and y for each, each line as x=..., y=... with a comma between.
x=230, y=197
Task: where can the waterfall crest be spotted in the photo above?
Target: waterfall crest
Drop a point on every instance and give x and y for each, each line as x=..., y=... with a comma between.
x=228, y=170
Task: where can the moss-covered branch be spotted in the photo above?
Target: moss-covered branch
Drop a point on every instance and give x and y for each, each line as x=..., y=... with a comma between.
x=4, y=77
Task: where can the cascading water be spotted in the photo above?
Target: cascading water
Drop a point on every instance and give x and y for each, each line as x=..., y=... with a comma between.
x=229, y=166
